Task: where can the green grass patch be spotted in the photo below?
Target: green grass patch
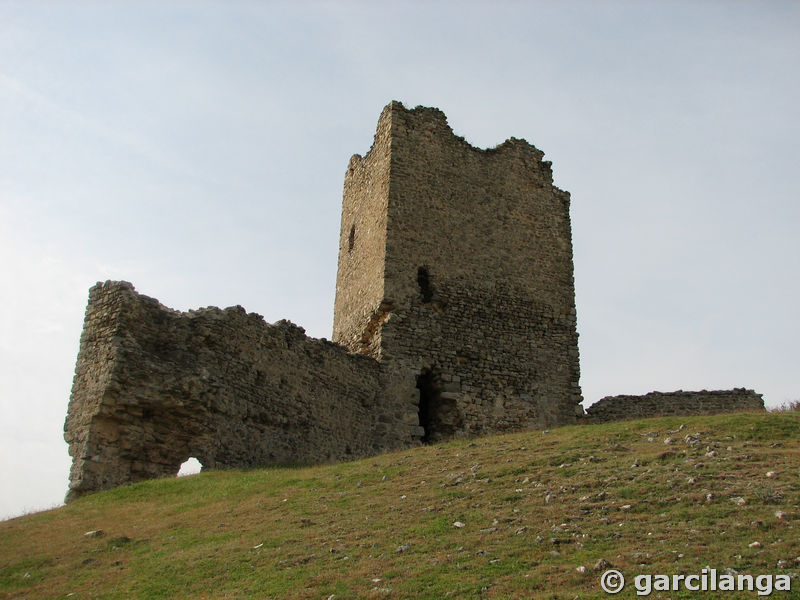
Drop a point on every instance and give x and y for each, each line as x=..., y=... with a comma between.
x=538, y=511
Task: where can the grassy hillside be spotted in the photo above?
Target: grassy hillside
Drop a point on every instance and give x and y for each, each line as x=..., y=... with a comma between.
x=513, y=516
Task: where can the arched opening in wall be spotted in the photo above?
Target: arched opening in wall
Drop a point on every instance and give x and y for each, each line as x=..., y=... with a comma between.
x=191, y=466
x=351, y=240
x=424, y=282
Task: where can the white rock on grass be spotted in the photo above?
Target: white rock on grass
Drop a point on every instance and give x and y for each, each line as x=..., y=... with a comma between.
x=94, y=533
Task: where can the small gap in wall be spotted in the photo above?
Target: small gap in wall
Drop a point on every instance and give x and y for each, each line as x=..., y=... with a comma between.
x=191, y=466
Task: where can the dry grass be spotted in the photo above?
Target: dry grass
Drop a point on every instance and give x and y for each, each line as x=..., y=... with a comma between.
x=535, y=507
x=792, y=405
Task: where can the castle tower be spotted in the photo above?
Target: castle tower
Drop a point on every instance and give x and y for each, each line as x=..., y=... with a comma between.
x=455, y=271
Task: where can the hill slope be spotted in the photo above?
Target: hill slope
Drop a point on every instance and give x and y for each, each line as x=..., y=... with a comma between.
x=502, y=517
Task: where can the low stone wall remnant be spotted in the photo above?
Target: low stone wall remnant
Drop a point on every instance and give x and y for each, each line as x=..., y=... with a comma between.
x=658, y=404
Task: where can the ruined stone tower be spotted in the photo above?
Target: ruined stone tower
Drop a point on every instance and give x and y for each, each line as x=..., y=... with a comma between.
x=455, y=311
x=455, y=271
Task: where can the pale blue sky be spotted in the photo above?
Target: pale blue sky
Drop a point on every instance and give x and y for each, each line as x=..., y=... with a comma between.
x=198, y=149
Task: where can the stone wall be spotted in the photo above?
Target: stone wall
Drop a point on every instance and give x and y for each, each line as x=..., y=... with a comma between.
x=455, y=311
x=474, y=319
x=154, y=386
x=654, y=404
x=454, y=296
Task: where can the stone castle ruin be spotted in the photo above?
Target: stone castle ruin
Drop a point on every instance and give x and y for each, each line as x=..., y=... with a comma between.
x=454, y=316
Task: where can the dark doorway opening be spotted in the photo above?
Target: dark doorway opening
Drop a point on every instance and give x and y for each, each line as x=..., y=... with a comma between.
x=429, y=397
x=439, y=414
